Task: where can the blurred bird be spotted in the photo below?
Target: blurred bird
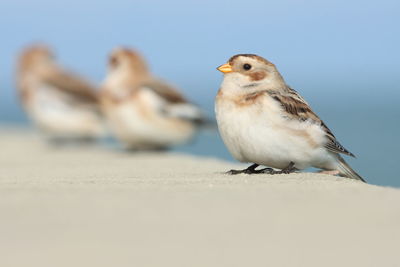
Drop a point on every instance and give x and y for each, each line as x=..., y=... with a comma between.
x=62, y=105
x=265, y=122
x=144, y=112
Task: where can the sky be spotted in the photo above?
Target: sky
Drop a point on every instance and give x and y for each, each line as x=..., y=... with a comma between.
x=342, y=56
x=323, y=48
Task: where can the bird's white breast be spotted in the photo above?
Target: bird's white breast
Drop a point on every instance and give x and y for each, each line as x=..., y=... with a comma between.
x=139, y=122
x=257, y=132
x=58, y=114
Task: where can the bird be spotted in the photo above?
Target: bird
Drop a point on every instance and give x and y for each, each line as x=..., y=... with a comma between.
x=144, y=112
x=265, y=122
x=63, y=106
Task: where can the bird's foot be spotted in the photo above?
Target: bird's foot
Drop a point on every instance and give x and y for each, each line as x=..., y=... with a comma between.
x=267, y=170
x=289, y=169
x=250, y=170
x=234, y=172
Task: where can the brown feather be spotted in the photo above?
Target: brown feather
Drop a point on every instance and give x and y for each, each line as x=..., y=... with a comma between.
x=72, y=85
x=257, y=76
x=165, y=91
x=297, y=108
x=232, y=59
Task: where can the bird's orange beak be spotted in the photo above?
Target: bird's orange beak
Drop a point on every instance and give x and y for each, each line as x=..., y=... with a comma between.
x=226, y=68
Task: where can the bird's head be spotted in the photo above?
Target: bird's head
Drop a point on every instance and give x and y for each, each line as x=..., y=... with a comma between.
x=35, y=57
x=250, y=71
x=127, y=60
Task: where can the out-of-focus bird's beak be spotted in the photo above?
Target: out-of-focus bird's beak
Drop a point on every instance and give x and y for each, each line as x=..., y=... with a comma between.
x=226, y=68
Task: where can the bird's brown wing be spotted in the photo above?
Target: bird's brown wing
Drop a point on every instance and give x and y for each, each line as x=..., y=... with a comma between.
x=297, y=108
x=176, y=105
x=72, y=85
x=165, y=91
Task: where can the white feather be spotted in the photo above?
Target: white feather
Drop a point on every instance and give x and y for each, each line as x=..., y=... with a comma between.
x=59, y=116
x=141, y=124
x=258, y=133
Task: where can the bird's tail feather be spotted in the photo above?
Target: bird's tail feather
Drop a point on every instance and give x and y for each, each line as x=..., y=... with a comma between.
x=347, y=171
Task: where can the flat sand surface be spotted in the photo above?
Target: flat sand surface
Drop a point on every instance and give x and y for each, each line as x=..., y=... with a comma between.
x=92, y=206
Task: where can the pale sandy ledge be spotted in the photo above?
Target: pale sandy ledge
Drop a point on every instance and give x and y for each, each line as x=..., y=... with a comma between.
x=98, y=207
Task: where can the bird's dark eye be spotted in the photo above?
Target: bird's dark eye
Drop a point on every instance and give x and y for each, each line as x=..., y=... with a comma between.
x=246, y=66
x=113, y=61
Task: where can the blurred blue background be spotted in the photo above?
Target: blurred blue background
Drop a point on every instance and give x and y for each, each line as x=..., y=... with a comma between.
x=342, y=56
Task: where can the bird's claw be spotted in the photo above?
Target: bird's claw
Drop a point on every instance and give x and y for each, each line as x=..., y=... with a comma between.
x=252, y=170
x=233, y=172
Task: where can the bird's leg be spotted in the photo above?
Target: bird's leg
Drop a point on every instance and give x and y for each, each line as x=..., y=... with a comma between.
x=250, y=170
x=288, y=169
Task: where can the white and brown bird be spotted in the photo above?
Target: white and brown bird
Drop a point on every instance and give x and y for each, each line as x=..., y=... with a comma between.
x=62, y=105
x=263, y=121
x=142, y=111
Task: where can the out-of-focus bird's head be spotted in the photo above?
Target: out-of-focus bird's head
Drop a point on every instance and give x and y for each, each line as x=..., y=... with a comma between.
x=248, y=70
x=35, y=56
x=127, y=60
